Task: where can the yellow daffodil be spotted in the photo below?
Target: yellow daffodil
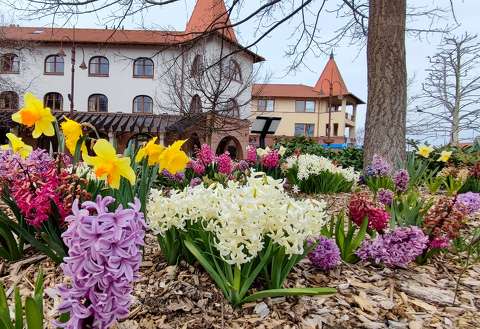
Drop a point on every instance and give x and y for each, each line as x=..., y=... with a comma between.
x=424, y=150
x=72, y=131
x=173, y=159
x=108, y=166
x=445, y=156
x=34, y=114
x=18, y=146
x=150, y=150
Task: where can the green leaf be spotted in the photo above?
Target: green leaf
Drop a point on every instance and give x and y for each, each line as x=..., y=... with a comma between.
x=249, y=280
x=289, y=292
x=4, y=311
x=339, y=232
x=360, y=235
x=33, y=314
x=18, y=310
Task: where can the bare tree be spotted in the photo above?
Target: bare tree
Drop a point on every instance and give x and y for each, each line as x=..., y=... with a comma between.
x=380, y=24
x=450, y=97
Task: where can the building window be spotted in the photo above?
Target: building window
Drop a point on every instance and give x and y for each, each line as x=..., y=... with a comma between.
x=10, y=63
x=54, y=64
x=54, y=101
x=304, y=129
x=196, y=104
x=232, y=109
x=335, y=129
x=265, y=105
x=197, y=66
x=305, y=106
x=8, y=100
x=143, y=68
x=142, y=104
x=98, y=67
x=234, y=72
x=97, y=103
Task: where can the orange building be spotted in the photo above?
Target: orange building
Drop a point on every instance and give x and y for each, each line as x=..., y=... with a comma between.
x=309, y=111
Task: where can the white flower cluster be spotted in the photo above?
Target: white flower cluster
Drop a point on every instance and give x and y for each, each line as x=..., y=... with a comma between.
x=310, y=165
x=240, y=216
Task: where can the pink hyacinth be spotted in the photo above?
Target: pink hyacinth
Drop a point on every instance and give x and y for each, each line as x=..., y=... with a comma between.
x=225, y=165
x=251, y=154
x=197, y=167
x=439, y=243
x=103, y=261
x=271, y=160
x=205, y=155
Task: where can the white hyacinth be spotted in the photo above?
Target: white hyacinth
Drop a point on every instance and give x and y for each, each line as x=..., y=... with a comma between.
x=240, y=216
x=310, y=165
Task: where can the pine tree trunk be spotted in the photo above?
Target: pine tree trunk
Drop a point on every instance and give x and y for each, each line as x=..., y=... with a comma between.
x=387, y=82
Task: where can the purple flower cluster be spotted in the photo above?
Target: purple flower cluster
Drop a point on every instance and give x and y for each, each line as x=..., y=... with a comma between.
x=378, y=167
x=326, y=254
x=242, y=165
x=225, y=165
x=469, y=201
x=385, y=196
x=195, y=181
x=397, y=248
x=178, y=177
x=103, y=261
x=401, y=179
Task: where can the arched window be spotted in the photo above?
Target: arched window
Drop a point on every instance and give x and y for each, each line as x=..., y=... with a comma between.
x=97, y=103
x=197, y=66
x=54, y=64
x=143, y=68
x=98, y=66
x=8, y=100
x=142, y=104
x=232, y=109
x=9, y=63
x=234, y=71
x=54, y=101
x=196, y=104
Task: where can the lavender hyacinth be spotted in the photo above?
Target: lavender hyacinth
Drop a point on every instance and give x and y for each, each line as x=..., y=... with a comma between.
x=470, y=201
x=103, y=261
x=378, y=167
x=326, y=254
x=397, y=248
x=401, y=179
x=385, y=196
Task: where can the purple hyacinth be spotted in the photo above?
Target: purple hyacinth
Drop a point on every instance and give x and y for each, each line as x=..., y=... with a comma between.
x=385, y=196
x=103, y=261
x=401, y=179
x=378, y=167
x=326, y=254
x=469, y=201
x=397, y=248
x=242, y=165
x=195, y=181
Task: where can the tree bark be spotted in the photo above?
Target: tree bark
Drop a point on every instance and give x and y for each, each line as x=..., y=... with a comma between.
x=387, y=82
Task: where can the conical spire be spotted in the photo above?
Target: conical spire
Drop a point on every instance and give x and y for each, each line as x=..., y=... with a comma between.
x=331, y=75
x=211, y=15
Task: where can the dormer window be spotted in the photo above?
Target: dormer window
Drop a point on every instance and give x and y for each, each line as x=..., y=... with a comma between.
x=9, y=63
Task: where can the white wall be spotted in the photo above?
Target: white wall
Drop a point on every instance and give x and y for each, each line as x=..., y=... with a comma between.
x=120, y=86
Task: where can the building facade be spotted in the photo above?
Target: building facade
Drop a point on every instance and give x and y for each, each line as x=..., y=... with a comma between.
x=135, y=73
x=309, y=111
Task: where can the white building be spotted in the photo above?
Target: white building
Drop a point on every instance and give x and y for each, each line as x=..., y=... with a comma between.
x=130, y=71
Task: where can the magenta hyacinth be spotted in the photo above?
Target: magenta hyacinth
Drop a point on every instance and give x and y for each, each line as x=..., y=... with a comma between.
x=103, y=261
x=271, y=160
x=385, y=196
x=205, y=155
x=197, y=167
x=225, y=164
x=397, y=248
x=326, y=254
x=401, y=179
x=439, y=243
x=251, y=154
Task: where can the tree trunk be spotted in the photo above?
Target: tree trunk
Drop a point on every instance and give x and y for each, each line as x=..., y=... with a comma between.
x=387, y=82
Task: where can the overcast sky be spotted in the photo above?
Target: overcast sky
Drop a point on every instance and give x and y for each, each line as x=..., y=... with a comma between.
x=350, y=59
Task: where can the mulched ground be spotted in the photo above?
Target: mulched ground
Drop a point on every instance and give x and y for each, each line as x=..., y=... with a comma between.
x=183, y=296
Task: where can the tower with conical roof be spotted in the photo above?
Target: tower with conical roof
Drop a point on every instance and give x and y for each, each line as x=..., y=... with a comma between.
x=331, y=78
x=209, y=16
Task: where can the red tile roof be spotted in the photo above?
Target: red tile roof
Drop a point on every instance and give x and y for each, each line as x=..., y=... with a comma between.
x=331, y=77
x=211, y=15
x=283, y=90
